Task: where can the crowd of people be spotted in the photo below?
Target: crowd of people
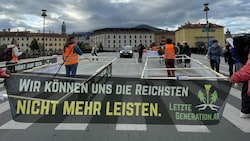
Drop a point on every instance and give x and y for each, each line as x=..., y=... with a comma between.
x=236, y=55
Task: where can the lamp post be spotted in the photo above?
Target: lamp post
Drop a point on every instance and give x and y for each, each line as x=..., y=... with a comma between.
x=207, y=24
x=44, y=15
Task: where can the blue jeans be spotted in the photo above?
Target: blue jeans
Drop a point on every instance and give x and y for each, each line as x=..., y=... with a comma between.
x=71, y=70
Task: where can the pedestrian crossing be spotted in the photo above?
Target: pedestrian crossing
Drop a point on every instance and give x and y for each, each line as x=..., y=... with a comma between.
x=230, y=114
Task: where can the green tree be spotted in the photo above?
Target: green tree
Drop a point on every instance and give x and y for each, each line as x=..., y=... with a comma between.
x=2, y=47
x=34, y=45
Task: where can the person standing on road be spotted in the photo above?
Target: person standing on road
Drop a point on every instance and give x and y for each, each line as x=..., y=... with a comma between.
x=70, y=56
x=140, y=51
x=242, y=49
x=240, y=76
x=230, y=57
x=15, y=54
x=169, y=56
x=186, y=51
x=214, y=54
x=94, y=53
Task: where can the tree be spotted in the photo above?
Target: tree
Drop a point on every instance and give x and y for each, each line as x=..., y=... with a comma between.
x=34, y=45
x=2, y=47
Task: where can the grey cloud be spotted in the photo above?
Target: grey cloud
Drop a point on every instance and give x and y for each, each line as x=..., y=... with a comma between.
x=102, y=13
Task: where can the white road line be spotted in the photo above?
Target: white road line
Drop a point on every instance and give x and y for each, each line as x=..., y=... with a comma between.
x=72, y=126
x=4, y=106
x=233, y=115
x=131, y=127
x=192, y=128
x=15, y=125
x=235, y=92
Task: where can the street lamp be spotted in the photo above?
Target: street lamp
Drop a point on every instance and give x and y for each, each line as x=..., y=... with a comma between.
x=207, y=24
x=44, y=15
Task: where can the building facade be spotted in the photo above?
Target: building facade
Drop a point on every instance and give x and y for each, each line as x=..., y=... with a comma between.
x=112, y=39
x=162, y=35
x=52, y=40
x=197, y=34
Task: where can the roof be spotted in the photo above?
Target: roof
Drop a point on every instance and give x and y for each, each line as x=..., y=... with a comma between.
x=28, y=34
x=190, y=25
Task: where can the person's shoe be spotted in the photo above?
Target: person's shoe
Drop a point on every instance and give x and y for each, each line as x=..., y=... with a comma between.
x=244, y=115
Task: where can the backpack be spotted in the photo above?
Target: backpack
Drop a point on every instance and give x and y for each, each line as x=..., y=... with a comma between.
x=7, y=54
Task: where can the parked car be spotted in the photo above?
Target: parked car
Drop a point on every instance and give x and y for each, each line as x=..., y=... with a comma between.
x=126, y=51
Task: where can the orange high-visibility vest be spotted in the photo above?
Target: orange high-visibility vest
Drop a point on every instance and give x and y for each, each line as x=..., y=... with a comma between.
x=14, y=58
x=69, y=56
x=169, y=52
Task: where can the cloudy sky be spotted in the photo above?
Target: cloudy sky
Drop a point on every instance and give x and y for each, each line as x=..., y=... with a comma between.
x=87, y=15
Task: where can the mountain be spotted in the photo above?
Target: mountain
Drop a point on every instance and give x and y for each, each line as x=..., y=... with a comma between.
x=148, y=27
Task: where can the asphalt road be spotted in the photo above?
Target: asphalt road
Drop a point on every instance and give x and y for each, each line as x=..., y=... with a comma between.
x=231, y=127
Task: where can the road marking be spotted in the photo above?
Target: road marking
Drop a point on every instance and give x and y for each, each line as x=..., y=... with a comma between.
x=131, y=127
x=4, y=106
x=15, y=125
x=192, y=128
x=233, y=115
x=71, y=126
x=235, y=92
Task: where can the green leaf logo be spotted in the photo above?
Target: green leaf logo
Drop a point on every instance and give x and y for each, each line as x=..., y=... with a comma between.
x=207, y=99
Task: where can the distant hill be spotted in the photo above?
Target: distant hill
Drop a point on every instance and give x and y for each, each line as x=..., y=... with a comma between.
x=148, y=27
x=85, y=34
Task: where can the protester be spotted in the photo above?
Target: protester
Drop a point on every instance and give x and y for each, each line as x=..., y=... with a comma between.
x=230, y=57
x=94, y=53
x=154, y=48
x=15, y=54
x=140, y=51
x=169, y=56
x=214, y=53
x=180, y=53
x=70, y=56
x=242, y=48
x=186, y=51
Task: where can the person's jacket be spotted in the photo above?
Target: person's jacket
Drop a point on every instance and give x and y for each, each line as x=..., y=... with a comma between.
x=214, y=53
x=15, y=53
x=69, y=55
x=243, y=75
x=169, y=52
